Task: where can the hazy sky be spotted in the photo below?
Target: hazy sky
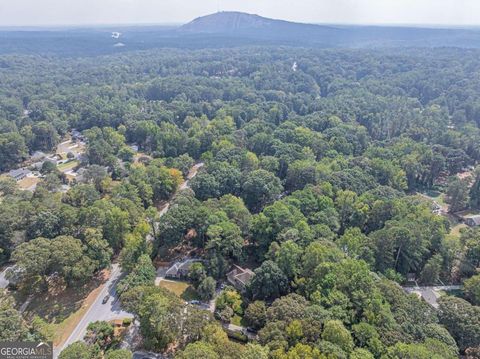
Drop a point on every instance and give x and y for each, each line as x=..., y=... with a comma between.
x=63, y=12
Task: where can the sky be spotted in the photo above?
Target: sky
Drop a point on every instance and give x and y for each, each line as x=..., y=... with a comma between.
x=97, y=12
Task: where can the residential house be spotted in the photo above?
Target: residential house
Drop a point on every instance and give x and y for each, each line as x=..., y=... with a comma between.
x=472, y=221
x=38, y=156
x=239, y=277
x=77, y=135
x=181, y=269
x=19, y=174
x=134, y=147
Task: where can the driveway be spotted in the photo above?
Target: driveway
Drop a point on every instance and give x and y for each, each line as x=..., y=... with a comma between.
x=431, y=293
x=160, y=275
x=99, y=311
x=192, y=173
x=3, y=281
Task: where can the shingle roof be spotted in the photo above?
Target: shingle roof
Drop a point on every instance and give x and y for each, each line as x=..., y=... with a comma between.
x=475, y=219
x=18, y=172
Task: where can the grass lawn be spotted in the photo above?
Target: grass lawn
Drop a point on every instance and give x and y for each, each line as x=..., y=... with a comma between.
x=67, y=165
x=455, y=231
x=182, y=289
x=435, y=195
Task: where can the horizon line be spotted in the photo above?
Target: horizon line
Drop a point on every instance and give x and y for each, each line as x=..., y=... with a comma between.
x=179, y=23
x=59, y=26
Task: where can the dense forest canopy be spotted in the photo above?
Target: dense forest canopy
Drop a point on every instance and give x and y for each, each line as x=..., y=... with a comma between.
x=312, y=161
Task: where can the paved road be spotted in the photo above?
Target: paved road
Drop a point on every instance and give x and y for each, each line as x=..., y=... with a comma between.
x=99, y=311
x=431, y=293
x=111, y=310
x=3, y=281
x=192, y=173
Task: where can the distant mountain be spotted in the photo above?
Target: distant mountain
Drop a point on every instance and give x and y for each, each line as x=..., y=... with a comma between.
x=258, y=28
x=227, y=22
x=240, y=24
x=227, y=29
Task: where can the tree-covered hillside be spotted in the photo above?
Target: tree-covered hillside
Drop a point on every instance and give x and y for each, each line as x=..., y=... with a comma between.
x=311, y=167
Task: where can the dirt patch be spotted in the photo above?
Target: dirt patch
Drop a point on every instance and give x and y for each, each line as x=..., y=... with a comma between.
x=63, y=308
x=28, y=182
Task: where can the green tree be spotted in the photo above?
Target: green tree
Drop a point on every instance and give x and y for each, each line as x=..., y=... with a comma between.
x=472, y=289
x=206, y=288
x=260, y=188
x=225, y=238
x=256, y=314
x=77, y=350
x=431, y=271
x=12, y=326
x=269, y=282
x=288, y=258
x=255, y=351
x=360, y=353
x=197, y=273
x=33, y=260
x=100, y=333
x=143, y=273
x=475, y=190
x=336, y=333
x=457, y=195
x=12, y=150
x=69, y=260
x=198, y=350
x=229, y=297
x=452, y=314
x=98, y=249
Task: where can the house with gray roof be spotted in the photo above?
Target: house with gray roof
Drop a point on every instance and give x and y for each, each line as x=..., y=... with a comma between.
x=19, y=174
x=472, y=221
x=239, y=277
x=181, y=269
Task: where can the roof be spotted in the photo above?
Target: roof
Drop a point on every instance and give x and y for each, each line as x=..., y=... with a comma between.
x=475, y=219
x=38, y=155
x=19, y=172
x=243, y=275
x=185, y=265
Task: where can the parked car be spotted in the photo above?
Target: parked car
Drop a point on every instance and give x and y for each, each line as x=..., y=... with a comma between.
x=105, y=299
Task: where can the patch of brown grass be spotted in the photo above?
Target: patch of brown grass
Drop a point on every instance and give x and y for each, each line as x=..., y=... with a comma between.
x=28, y=182
x=64, y=307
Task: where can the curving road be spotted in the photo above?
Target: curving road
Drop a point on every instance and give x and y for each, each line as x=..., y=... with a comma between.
x=111, y=310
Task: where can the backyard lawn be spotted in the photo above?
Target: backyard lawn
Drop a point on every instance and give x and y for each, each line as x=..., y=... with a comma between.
x=67, y=165
x=182, y=289
x=455, y=231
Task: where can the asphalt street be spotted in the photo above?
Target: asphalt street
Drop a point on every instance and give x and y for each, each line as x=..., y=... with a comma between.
x=99, y=311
